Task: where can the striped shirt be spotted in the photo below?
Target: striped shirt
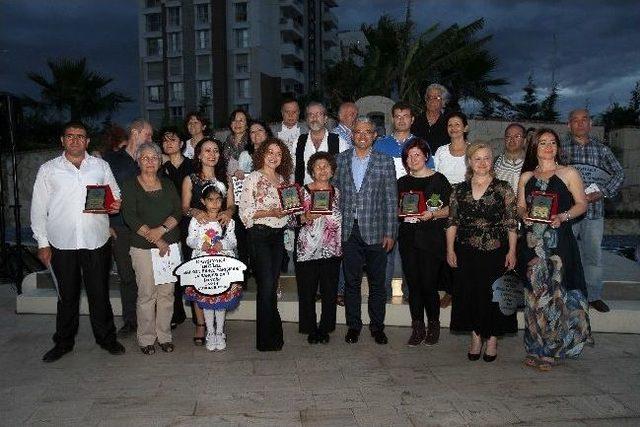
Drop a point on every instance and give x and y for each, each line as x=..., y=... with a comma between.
x=596, y=154
x=508, y=170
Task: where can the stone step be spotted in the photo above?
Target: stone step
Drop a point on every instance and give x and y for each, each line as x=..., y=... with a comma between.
x=39, y=297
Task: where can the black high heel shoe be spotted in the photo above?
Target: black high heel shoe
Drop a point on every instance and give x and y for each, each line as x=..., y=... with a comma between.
x=488, y=358
x=473, y=356
x=199, y=341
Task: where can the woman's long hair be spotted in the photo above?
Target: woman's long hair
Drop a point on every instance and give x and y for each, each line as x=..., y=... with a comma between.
x=286, y=164
x=220, y=169
x=531, y=158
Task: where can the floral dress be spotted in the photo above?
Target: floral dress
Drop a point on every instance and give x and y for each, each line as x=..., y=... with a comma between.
x=212, y=233
x=556, y=308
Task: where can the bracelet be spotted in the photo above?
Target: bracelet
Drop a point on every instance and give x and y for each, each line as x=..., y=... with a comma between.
x=567, y=215
x=165, y=228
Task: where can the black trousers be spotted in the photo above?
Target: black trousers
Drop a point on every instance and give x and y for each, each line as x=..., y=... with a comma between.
x=311, y=275
x=356, y=254
x=421, y=270
x=72, y=268
x=128, y=287
x=267, y=245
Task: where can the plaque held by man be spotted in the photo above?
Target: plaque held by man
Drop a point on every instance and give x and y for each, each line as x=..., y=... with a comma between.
x=99, y=199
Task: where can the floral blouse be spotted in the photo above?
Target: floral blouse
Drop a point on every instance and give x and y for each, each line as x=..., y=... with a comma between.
x=322, y=238
x=259, y=194
x=483, y=224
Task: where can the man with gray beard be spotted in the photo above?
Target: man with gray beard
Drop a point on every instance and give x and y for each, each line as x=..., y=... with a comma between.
x=318, y=139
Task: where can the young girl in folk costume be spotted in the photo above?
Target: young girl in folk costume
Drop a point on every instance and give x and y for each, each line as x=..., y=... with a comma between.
x=211, y=238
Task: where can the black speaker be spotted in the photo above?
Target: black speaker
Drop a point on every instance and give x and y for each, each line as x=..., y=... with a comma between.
x=11, y=120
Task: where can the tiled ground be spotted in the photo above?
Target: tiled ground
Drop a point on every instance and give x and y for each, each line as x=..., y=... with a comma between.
x=335, y=384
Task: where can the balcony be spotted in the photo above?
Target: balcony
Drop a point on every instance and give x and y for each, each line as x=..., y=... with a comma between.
x=329, y=19
x=295, y=7
x=291, y=53
x=291, y=27
x=291, y=73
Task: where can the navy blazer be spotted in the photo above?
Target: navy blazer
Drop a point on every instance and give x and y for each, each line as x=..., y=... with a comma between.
x=375, y=203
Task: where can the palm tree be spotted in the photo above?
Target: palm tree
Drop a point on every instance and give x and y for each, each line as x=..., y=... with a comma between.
x=400, y=64
x=74, y=91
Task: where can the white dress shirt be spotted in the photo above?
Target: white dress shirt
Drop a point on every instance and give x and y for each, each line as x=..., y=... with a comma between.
x=310, y=149
x=290, y=137
x=59, y=196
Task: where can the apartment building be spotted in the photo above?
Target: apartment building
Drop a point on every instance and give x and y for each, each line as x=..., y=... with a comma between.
x=216, y=55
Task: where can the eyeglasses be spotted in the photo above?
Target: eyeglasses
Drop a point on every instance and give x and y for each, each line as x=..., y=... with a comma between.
x=75, y=137
x=363, y=132
x=149, y=158
x=513, y=137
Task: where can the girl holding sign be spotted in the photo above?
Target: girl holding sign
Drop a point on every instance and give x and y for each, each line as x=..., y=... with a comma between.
x=211, y=238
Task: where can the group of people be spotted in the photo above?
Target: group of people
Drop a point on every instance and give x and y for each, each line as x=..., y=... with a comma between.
x=473, y=225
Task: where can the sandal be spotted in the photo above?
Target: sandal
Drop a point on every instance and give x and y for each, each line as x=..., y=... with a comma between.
x=167, y=347
x=148, y=350
x=199, y=341
x=531, y=361
x=546, y=364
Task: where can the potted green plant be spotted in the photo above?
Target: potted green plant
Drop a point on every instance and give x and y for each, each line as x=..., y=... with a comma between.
x=434, y=202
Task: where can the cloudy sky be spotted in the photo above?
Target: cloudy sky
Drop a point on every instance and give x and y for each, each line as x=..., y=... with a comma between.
x=596, y=53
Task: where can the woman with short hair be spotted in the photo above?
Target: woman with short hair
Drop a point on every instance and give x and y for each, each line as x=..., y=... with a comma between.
x=151, y=208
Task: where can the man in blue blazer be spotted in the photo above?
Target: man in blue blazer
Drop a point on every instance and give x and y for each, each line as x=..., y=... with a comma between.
x=368, y=199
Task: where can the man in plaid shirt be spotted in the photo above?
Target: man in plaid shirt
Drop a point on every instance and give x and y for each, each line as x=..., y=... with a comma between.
x=581, y=148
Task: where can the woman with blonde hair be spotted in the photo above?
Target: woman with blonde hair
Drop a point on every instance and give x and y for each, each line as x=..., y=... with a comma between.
x=481, y=246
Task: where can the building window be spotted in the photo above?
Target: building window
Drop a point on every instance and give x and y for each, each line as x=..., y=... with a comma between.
x=155, y=117
x=176, y=91
x=175, y=66
x=203, y=64
x=202, y=13
x=175, y=114
x=154, y=70
x=242, y=63
x=154, y=22
x=241, y=12
x=242, y=37
x=154, y=47
x=203, y=40
x=174, y=43
x=205, y=89
x=152, y=3
x=155, y=94
x=173, y=16
x=243, y=88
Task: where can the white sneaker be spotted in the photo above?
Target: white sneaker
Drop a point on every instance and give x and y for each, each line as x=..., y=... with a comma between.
x=221, y=342
x=212, y=341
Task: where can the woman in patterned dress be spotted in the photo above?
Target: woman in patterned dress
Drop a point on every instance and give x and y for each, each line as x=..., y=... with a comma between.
x=556, y=308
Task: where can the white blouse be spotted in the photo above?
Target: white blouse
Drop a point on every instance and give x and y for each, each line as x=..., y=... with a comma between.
x=259, y=194
x=452, y=167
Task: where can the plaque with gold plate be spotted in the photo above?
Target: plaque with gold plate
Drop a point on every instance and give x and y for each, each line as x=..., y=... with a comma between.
x=543, y=205
x=99, y=199
x=291, y=198
x=412, y=203
x=321, y=202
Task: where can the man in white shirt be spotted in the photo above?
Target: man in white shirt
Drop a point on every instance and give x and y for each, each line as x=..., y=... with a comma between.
x=74, y=244
x=347, y=114
x=290, y=129
x=318, y=139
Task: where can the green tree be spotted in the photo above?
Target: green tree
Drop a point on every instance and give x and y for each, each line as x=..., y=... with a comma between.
x=617, y=116
x=529, y=108
x=548, y=110
x=74, y=91
x=399, y=63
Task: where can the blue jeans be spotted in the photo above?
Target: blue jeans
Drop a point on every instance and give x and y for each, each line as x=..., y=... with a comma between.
x=394, y=265
x=589, y=233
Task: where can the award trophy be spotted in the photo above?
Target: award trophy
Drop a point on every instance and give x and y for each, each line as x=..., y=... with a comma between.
x=290, y=198
x=543, y=206
x=412, y=203
x=321, y=202
x=99, y=198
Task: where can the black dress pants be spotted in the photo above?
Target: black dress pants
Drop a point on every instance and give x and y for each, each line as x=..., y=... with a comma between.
x=128, y=287
x=421, y=270
x=267, y=245
x=72, y=268
x=311, y=275
x=356, y=254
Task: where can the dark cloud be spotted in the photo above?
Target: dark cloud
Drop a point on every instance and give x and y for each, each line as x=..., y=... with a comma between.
x=591, y=47
x=594, y=54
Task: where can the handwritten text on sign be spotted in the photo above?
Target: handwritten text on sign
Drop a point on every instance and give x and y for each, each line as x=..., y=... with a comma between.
x=211, y=275
x=508, y=293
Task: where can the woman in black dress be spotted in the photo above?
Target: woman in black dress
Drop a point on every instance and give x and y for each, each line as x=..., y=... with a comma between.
x=422, y=242
x=481, y=247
